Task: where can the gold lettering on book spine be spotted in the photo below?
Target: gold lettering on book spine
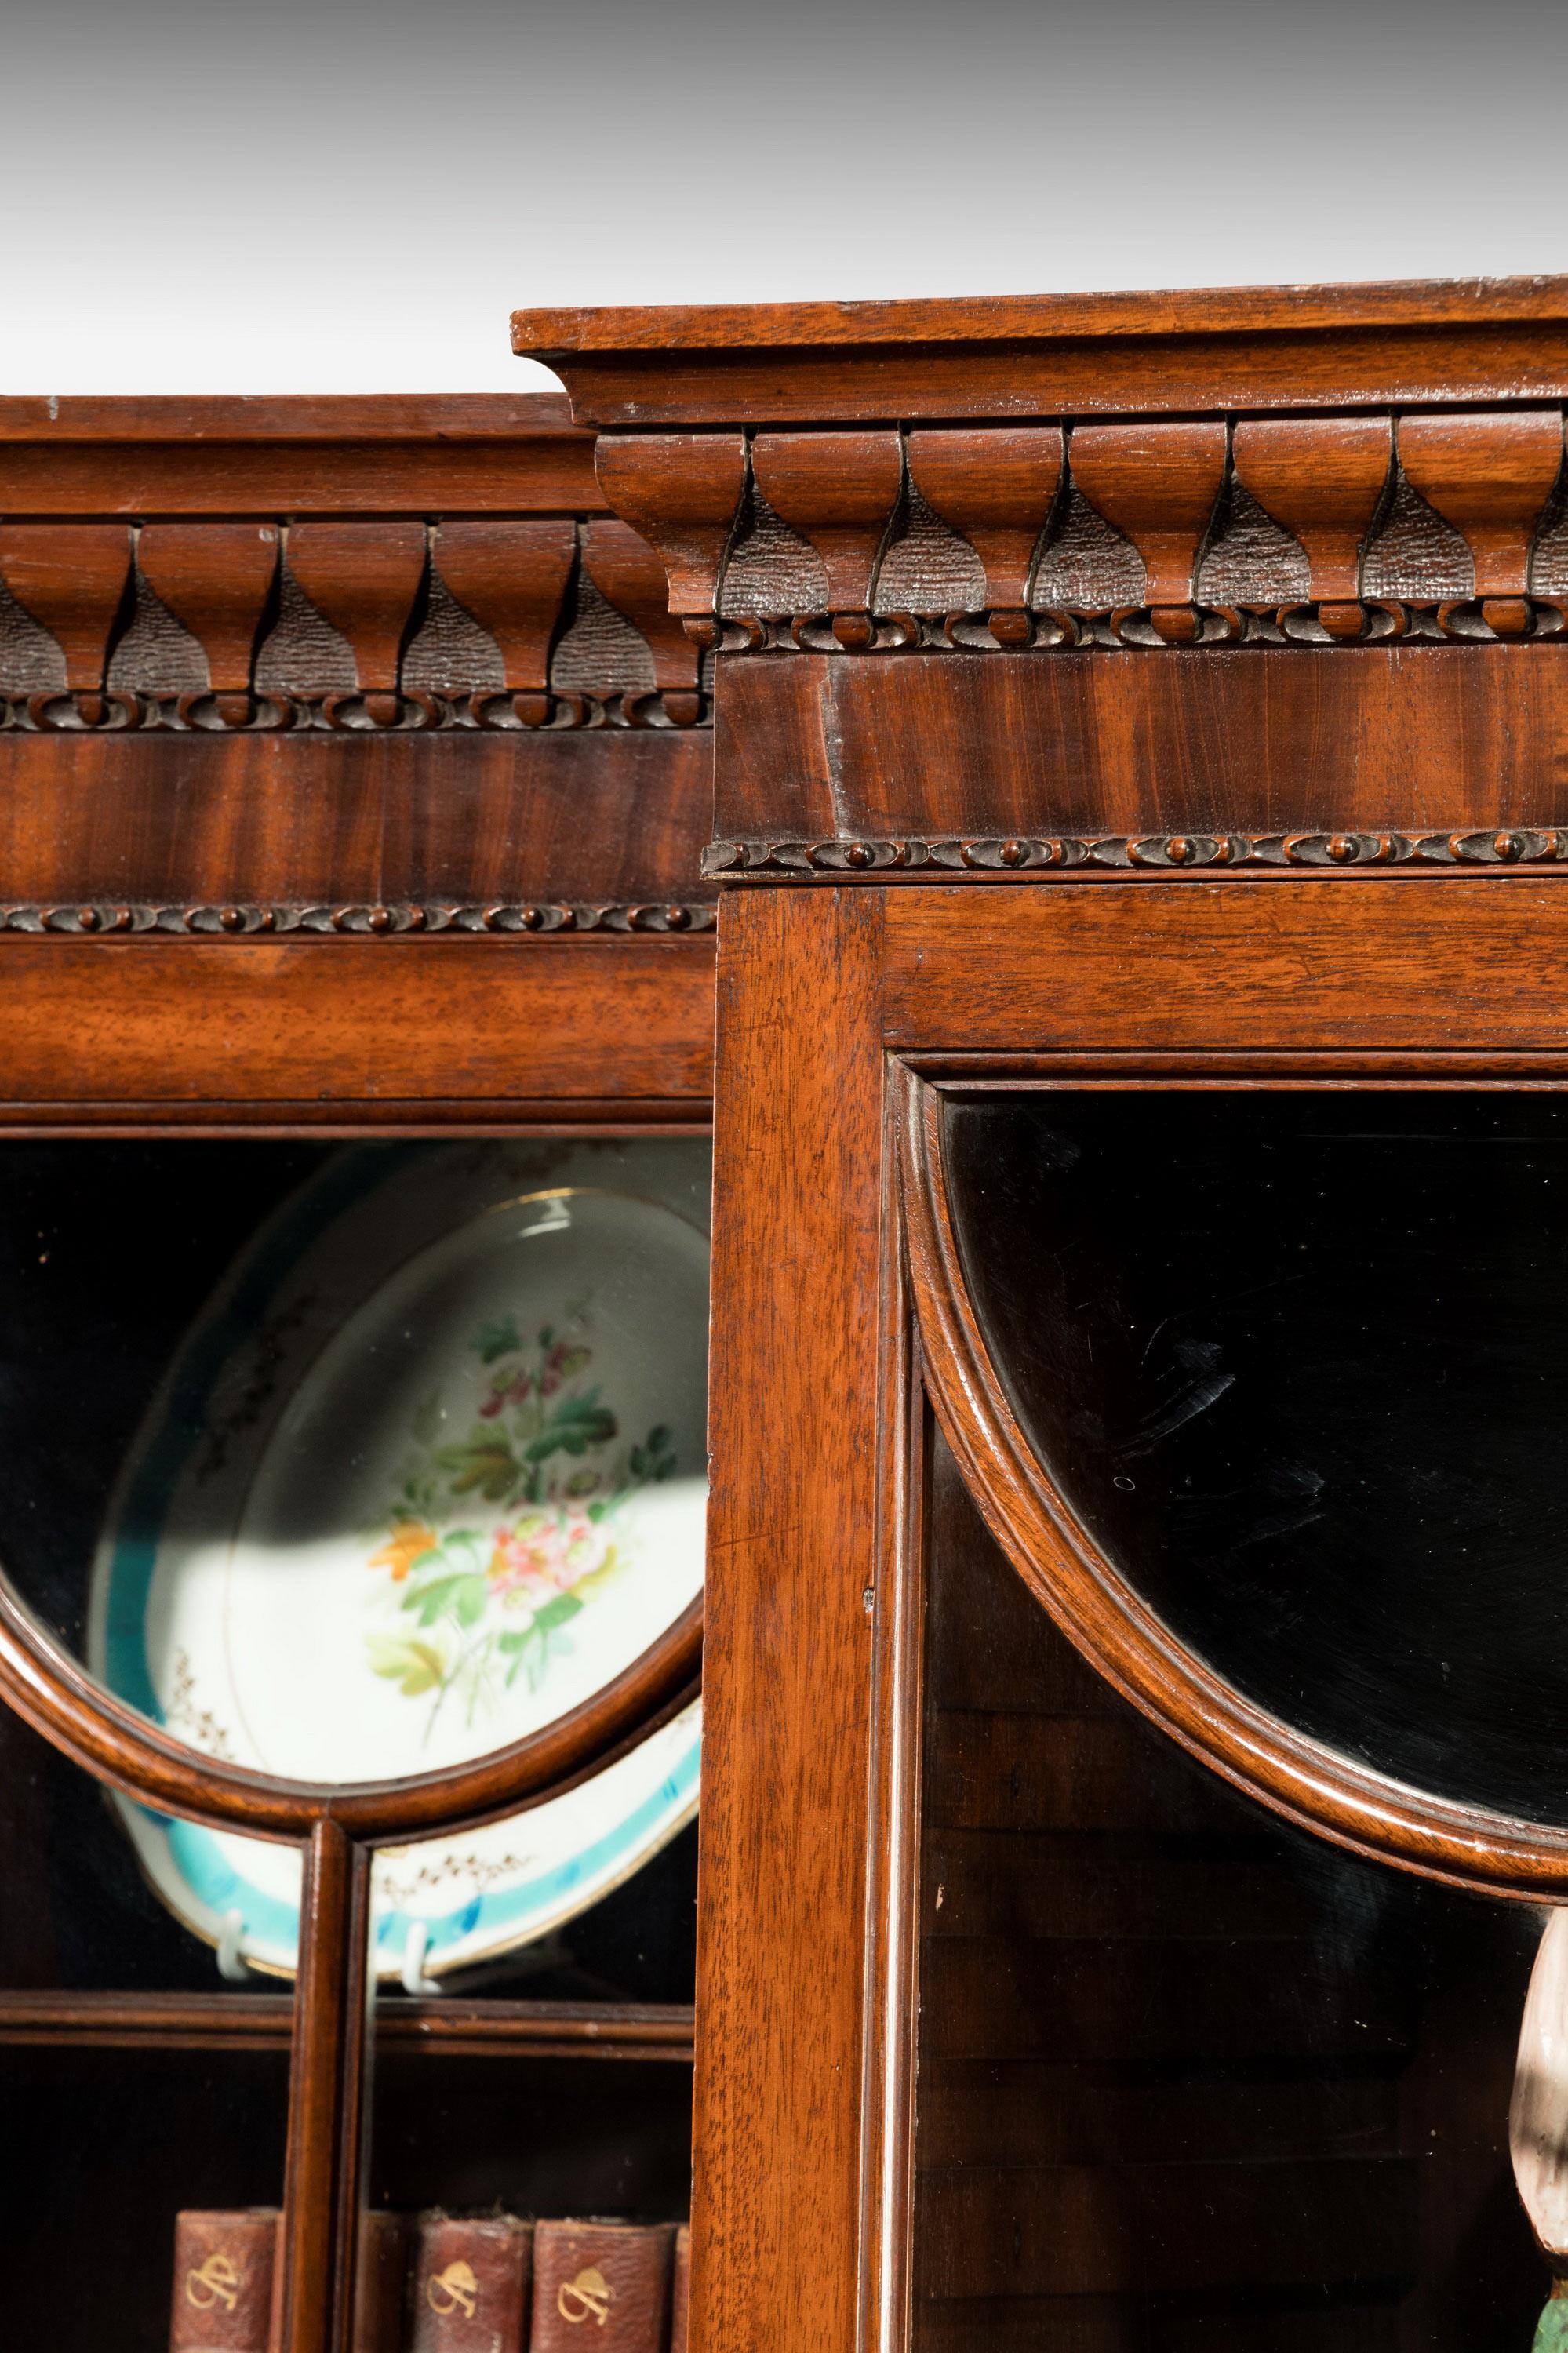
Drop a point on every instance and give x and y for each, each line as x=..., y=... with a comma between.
x=453, y=2290
x=589, y=2295
x=216, y=2282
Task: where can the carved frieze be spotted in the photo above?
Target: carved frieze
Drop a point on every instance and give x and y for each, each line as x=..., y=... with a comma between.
x=493, y=623
x=1264, y=531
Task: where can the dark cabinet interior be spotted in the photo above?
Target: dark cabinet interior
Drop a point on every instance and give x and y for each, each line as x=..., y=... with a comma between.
x=1187, y=2077
x=1296, y=1359
x=137, y=2077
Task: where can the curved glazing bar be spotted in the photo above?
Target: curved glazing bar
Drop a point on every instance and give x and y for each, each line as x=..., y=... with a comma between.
x=1262, y=1393
x=364, y=1480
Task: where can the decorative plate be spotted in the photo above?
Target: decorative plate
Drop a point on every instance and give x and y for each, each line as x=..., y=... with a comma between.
x=428, y=1472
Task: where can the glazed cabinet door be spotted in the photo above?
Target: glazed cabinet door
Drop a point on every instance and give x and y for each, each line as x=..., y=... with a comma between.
x=1139, y=1394
x=352, y=1473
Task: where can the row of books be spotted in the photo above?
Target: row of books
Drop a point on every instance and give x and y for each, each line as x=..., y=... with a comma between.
x=441, y=2283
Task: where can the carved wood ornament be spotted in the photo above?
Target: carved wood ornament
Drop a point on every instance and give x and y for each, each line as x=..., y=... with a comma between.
x=1148, y=600
x=321, y=667
x=1269, y=533
x=320, y=612
x=359, y=626
x=1174, y=609
x=1251, y=484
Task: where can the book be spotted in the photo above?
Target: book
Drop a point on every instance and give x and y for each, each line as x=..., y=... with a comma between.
x=380, y=2295
x=444, y=2283
x=224, y=2270
x=469, y=2285
x=601, y=2283
x=681, y=2289
x=381, y=2292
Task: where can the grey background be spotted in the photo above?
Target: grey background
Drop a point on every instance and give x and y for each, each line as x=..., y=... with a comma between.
x=211, y=195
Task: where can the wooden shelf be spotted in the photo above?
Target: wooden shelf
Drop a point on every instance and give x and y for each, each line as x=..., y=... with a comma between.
x=461, y=2027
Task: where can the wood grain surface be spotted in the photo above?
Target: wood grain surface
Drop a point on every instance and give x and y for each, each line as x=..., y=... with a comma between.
x=1438, y=341
x=792, y=1550
x=1122, y=982
x=993, y=317
x=384, y=454
x=365, y=1025
x=1470, y=968
x=814, y=748
x=318, y=2234
x=591, y=818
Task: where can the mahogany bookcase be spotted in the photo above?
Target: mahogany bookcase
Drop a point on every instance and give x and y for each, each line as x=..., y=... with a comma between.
x=1132, y=1782
x=1123, y=742
x=356, y=782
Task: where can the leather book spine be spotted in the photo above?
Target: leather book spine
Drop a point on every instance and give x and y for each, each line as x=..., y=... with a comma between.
x=381, y=2288
x=469, y=2285
x=223, y=2265
x=602, y=2287
x=681, y=2289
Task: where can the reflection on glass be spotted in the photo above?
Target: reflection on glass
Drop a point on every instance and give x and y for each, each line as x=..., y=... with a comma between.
x=349, y=1463
x=539, y=2079
x=1187, y=2076
x=476, y=1498
x=481, y=1898
x=1299, y=1361
x=145, y=2095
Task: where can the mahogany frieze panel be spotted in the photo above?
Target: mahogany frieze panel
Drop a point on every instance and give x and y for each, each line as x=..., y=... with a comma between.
x=397, y=835
x=1334, y=759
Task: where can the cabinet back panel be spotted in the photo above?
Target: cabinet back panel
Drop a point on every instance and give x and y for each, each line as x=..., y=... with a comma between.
x=1186, y=2077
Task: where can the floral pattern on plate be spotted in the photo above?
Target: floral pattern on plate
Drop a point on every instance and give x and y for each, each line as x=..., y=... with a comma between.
x=496, y=1542
x=422, y=1313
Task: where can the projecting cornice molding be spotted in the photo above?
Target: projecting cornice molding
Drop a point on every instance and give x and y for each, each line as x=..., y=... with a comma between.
x=1218, y=352
x=1249, y=467
x=349, y=566
x=1241, y=580
x=322, y=667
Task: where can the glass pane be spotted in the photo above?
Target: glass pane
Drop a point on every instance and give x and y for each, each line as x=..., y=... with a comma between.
x=1187, y=2078
x=1298, y=1360
x=145, y=2090
x=107, y=1898
x=345, y=1463
x=591, y=1892
x=525, y=2072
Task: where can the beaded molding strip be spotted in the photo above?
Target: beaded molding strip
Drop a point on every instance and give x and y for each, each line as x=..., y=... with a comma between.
x=382, y=921
x=1137, y=853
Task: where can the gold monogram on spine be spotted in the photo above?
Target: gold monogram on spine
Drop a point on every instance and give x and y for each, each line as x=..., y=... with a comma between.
x=216, y=2282
x=453, y=2290
x=588, y=2296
